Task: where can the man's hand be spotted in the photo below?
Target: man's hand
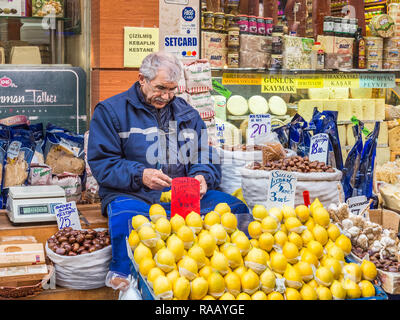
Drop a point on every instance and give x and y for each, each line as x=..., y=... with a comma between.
x=203, y=185
x=156, y=180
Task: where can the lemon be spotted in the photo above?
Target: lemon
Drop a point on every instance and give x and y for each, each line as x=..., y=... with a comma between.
x=310, y=224
x=156, y=212
x=269, y=224
x=353, y=290
x=243, y=296
x=153, y=274
x=173, y=275
x=308, y=293
x=324, y=276
x=321, y=216
x=329, y=244
x=367, y=289
x=336, y=252
x=288, y=212
x=186, y=235
x=296, y=239
x=133, y=239
x=254, y=243
x=197, y=254
x=181, y=288
x=165, y=260
x=232, y=253
x=280, y=238
x=232, y=283
x=148, y=236
x=220, y=263
x=259, y=212
x=163, y=228
x=162, y=288
x=277, y=214
x=250, y=282
x=208, y=243
x=316, y=248
x=146, y=265
x=275, y=296
x=305, y=270
x=294, y=225
x=256, y=260
x=302, y=212
x=227, y=296
x=216, y=285
x=344, y=243
x=243, y=243
x=320, y=234
x=255, y=229
x=338, y=292
x=222, y=208
x=219, y=233
x=194, y=221
x=368, y=270
x=267, y=281
x=138, y=221
x=266, y=241
x=309, y=257
x=177, y=221
x=283, y=229
x=199, y=288
x=333, y=265
x=176, y=245
x=240, y=270
x=225, y=246
x=141, y=252
x=259, y=295
x=333, y=231
x=316, y=204
x=187, y=268
x=159, y=245
x=291, y=252
x=278, y=263
x=353, y=272
x=324, y=293
x=293, y=278
x=313, y=284
x=292, y=294
x=205, y=272
x=229, y=222
x=208, y=297
x=211, y=218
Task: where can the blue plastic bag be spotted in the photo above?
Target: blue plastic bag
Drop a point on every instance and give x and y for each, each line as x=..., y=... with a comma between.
x=299, y=136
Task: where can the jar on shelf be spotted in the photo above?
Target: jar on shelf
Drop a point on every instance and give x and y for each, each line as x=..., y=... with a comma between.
x=234, y=38
x=276, y=61
x=208, y=20
x=243, y=22
x=219, y=21
x=233, y=58
x=252, y=25
x=345, y=27
x=338, y=27
x=277, y=40
x=229, y=21
x=233, y=6
x=261, y=26
x=329, y=26
x=269, y=25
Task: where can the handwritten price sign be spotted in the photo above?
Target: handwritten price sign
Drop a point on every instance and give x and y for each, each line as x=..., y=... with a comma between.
x=67, y=216
x=319, y=148
x=185, y=196
x=282, y=189
x=259, y=128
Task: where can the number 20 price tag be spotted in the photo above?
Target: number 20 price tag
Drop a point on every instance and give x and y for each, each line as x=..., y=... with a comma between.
x=259, y=128
x=319, y=148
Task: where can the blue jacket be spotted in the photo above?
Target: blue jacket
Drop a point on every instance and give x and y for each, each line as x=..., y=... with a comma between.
x=121, y=131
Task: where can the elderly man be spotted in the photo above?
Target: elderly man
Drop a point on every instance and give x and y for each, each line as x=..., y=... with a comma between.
x=135, y=151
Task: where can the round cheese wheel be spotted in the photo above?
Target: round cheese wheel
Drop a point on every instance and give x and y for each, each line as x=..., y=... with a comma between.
x=237, y=105
x=277, y=106
x=258, y=105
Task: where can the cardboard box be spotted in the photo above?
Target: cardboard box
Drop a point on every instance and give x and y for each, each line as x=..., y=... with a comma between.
x=23, y=273
x=42, y=8
x=388, y=219
x=13, y=8
x=12, y=255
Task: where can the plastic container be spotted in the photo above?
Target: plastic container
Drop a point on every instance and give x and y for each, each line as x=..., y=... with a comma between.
x=252, y=25
x=374, y=64
x=243, y=22
x=234, y=38
x=393, y=64
x=233, y=59
x=269, y=25
x=276, y=61
x=374, y=43
x=229, y=21
x=392, y=53
x=219, y=21
x=208, y=20
x=261, y=26
x=375, y=54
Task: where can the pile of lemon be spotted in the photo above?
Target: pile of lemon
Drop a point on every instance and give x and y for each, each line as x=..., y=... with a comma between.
x=293, y=254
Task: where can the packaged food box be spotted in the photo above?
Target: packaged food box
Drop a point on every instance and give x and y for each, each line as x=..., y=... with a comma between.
x=332, y=44
x=216, y=57
x=391, y=43
x=297, y=52
x=375, y=64
x=214, y=40
x=392, y=53
x=375, y=54
x=373, y=43
x=12, y=255
x=23, y=273
x=382, y=25
x=13, y=8
x=393, y=64
x=42, y=8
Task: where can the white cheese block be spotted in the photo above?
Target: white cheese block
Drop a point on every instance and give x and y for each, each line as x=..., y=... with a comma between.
x=237, y=105
x=351, y=140
x=356, y=108
x=361, y=93
x=344, y=109
x=318, y=93
x=277, y=106
x=368, y=106
x=380, y=109
x=25, y=55
x=382, y=155
x=339, y=93
x=330, y=105
x=258, y=105
x=305, y=108
x=342, y=135
x=383, y=138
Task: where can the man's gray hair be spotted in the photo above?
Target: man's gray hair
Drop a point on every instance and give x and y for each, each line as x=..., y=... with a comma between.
x=157, y=61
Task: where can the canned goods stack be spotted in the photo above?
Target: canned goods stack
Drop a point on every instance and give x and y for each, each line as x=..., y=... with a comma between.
x=374, y=52
x=391, y=52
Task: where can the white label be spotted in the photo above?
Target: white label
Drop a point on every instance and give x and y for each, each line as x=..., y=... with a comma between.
x=13, y=149
x=67, y=216
x=319, y=148
x=220, y=133
x=282, y=189
x=259, y=128
x=357, y=204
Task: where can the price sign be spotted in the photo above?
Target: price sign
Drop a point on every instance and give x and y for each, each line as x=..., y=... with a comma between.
x=259, y=128
x=220, y=133
x=282, y=189
x=357, y=204
x=67, y=216
x=319, y=148
x=185, y=196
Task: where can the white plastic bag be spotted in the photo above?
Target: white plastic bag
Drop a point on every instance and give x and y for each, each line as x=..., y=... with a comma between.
x=324, y=186
x=81, y=272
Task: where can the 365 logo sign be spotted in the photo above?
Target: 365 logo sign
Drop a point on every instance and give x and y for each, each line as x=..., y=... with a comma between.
x=6, y=82
x=188, y=14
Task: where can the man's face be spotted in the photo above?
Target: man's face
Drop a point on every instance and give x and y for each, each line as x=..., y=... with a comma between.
x=160, y=91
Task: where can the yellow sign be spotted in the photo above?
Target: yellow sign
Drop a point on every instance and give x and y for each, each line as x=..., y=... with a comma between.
x=246, y=79
x=348, y=80
x=307, y=81
x=279, y=84
x=138, y=43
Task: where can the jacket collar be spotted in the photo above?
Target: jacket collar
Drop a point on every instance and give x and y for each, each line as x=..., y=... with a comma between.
x=182, y=112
